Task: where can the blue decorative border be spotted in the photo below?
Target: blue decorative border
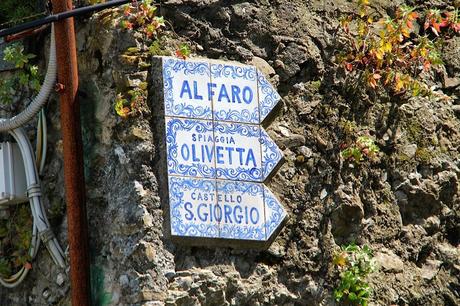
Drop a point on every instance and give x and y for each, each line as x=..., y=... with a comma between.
x=177, y=188
x=241, y=231
x=274, y=212
x=233, y=71
x=243, y=115
x=173, y=66
x=174, y=125
x=271, y=154
x=239, y=173
x=269, y=97
x=247, y=73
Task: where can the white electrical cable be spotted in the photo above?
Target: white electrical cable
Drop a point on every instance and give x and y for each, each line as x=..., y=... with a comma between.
x=44, y=142
x=38, y=102
x=41, y=228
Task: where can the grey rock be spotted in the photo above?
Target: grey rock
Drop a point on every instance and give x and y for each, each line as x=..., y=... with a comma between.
x=389, y=261
x=60, y=279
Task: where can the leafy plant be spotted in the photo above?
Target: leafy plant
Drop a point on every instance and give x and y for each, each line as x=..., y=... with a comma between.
x=129, y=104
x=364, y=146
x=27, y=77
x=435, y=20
x=183, y=52
x=143, y=18
x=15, y=11
x=391, y=53
x=355, y=263
x=15, y=236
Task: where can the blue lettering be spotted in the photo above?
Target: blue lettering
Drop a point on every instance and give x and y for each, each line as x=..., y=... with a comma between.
x=186, y=89
x=210, y=90
x=203, y=216
x=218, y=213
x=254, y=219
x=194, y=137
x=219, y=155
x=238, y=217
x=223, y=93
x=247, y=99
x=189, y=214
x=208, y=153
x=185, y=152
x=229, y=150
x=228, y=213
x=246, y=214
x=195, y=91
x=194, y=157
x=251, y=158
x=236, y=93
x=240, y=150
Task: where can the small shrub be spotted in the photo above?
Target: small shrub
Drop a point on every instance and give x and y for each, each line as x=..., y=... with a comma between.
x=130, y=104
x=142, y=17
x=27, y=77
x=355, y=264
x=392, y=54
x=17, y=11
x=183, y=52
x=15, y=236
x=364, y=146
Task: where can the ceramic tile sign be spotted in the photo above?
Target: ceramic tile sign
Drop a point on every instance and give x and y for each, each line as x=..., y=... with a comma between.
x=218, y=154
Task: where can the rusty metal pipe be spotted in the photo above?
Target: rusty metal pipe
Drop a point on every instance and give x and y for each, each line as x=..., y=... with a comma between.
x=73, y=156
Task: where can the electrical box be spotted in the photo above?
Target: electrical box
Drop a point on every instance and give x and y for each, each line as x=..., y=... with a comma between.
x=13, y=184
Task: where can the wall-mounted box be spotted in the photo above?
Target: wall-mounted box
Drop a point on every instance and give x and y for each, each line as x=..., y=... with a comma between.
x=13, y=184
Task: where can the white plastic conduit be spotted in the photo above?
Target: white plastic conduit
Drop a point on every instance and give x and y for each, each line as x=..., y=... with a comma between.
x=38, y=102
x=41, y=227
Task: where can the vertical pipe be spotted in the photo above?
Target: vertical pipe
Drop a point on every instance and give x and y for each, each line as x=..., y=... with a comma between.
x=73, y=156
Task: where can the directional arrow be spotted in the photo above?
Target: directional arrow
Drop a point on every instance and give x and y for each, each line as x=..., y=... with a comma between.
x=218, y=154
x=268, y=97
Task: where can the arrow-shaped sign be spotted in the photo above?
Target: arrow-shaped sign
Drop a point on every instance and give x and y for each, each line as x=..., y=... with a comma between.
x=218, y=154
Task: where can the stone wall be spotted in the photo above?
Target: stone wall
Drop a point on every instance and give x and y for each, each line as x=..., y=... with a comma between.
x=404, y=205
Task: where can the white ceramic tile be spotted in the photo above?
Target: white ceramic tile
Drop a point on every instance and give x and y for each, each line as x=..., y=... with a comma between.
x=242, y=210
x=234, y=92
x=268, y=96
x=271, y=154
x=192, y=204
x=274, y=213
x=185, y=86
x=190, y=147
x=237, y=148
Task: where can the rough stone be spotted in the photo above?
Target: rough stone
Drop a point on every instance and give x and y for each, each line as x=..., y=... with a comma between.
x=389, y=261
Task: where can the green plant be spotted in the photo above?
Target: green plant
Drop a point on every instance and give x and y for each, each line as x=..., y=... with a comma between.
x=27, y=77
x=15, y=11
x=183, y=52
x=355, y=263
x=15, y=236
x=391, y=54
x=142, y=17
x=435, y=20
x=364, y=146
x=129, y=104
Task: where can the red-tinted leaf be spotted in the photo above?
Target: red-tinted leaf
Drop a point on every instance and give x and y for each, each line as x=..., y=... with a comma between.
x=349, y=66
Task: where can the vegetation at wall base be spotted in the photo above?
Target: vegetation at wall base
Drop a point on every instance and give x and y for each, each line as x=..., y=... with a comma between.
x=15, y=237
x=355, y=263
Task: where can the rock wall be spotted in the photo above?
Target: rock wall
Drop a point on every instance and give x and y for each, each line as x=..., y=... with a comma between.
x=405, y=205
